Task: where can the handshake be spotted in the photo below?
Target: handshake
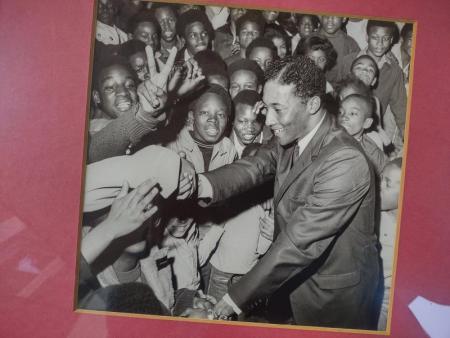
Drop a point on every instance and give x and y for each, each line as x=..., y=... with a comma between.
x=188, y=180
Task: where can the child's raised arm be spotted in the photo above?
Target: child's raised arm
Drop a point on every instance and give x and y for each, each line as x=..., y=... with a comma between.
x=128, y=212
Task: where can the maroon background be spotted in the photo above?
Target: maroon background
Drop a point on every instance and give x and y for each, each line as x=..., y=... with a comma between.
x=44, y=66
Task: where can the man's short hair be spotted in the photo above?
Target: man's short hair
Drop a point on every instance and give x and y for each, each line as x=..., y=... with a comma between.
x=191, y=16
x=249, y=65
x=261, y=42
x=357, y=84
x=251, y=16
x=308, y=79
x=143, y=16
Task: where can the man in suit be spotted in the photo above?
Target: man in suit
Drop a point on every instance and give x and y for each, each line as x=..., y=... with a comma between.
x=325, y=247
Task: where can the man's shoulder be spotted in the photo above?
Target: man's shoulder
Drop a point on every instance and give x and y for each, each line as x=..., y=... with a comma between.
x=338, y=141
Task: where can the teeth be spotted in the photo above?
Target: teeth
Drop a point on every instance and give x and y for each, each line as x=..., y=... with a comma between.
x=277, y=131
x=124, y=105
x=212, y=131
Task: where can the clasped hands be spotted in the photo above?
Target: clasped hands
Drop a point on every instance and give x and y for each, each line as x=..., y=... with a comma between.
x=206, y=307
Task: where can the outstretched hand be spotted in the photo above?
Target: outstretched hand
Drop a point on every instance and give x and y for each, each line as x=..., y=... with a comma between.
x=130, y=210
x=128, y=213
x=153, y=91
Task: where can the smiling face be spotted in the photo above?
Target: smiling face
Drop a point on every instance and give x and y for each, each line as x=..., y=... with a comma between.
x=390, y=187
x=210, y=118
x=365, y=69
x=379, y=41
x=263, y=56
x=147, y=32
x=331, y=24
x=247, y=125
x=354, y=116
x=116, y=95
x=243, y=79
x=305, y=26
x=167, y=20
x=197, y=37
x=287, y=114
x=249, y=31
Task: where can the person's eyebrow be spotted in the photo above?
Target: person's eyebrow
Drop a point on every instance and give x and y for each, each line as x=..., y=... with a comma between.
x=278, y=105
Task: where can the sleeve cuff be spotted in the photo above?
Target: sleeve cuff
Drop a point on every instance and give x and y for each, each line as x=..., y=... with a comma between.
x=230, y=302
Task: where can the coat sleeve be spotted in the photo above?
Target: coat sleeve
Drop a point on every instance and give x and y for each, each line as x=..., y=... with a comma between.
x=340, y=185
x=114, y=139
x=240, y=176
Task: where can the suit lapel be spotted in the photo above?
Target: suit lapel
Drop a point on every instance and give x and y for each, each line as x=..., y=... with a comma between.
x=306, y=158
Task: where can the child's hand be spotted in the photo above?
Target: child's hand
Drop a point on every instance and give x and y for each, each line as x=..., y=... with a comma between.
x=203, y=301
x=266, y=226
x=130, y=210
x=259, y=108
x=235, y=48
x=153, y=91
x=194, y=77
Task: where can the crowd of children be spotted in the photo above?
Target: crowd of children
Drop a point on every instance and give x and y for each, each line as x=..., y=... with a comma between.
x=190, y=79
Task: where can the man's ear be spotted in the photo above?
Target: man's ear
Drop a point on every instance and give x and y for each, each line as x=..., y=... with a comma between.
x=96, y=97
x=313, y=105
x=183, y=41
x=130, y=36
x=367, y=123
x=259, y=89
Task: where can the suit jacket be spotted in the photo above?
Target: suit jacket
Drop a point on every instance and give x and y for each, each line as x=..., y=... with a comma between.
x=325, y=251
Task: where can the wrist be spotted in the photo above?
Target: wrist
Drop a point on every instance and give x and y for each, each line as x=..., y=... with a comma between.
x=148, y=121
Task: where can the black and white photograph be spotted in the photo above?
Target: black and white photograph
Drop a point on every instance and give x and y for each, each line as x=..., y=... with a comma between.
x=243, y=164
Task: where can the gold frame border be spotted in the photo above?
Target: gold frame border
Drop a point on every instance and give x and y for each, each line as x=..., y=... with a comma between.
x=387, y=332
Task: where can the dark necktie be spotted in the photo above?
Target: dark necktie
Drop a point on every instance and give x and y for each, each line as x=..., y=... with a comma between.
x=296, y=153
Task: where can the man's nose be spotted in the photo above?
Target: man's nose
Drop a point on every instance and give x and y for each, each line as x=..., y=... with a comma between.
x=121, y=90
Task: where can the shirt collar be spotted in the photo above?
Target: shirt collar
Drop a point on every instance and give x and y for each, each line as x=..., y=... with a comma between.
x=303, y=143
